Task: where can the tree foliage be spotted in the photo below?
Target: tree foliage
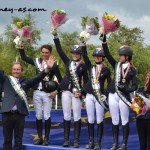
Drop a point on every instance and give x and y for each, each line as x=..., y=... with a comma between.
x=125, y=36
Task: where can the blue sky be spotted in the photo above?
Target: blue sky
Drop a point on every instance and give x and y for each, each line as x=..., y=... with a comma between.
x=133, y=13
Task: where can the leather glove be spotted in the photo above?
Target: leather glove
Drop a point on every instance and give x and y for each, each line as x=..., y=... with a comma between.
x=54, y=32
x=121, y=88
x=103, y=37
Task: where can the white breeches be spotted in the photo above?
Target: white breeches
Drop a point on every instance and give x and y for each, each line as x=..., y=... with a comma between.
x=42, y=102
x=117, y=106
x=68, y=102
x=91, y=106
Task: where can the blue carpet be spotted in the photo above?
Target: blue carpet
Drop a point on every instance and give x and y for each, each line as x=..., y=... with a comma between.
x=56, y=135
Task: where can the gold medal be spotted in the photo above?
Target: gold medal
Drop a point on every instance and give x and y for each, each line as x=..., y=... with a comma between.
x=123, y=80
x=124, y=73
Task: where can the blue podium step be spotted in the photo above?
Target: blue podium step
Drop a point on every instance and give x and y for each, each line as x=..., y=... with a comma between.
x=56, y=137
x=51, y=147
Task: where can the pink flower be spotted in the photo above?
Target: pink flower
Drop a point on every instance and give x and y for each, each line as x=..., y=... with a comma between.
x=58, y=17
x=135, y=98
x=109, y=26
x=26, y=32
x=139, y=103
x=23, y=33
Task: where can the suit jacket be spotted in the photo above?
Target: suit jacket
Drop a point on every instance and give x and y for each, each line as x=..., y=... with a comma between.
x=81, y=70
x=131, y=75
x=1, y=87
x=10, y=95
x=54, y=70
x=105, y=74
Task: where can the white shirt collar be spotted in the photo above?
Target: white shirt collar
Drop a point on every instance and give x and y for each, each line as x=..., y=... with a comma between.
x=125, y=65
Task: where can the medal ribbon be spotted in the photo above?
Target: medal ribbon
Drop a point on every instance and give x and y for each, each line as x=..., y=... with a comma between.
x=98, y=72
x=124, y=73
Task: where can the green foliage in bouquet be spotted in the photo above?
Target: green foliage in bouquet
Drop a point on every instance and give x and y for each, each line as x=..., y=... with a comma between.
x=87, y=19
x=59, y=11
x=19, y=22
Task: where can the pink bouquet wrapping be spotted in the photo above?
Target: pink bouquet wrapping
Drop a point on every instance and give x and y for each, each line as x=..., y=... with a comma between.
x=23, y=32
x=58, y=18
x=110, y=23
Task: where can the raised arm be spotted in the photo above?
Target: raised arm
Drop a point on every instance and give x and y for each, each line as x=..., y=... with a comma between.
x=60, y=51
x=32, y=82
x=58, y=74
x=109, y=57
x=86, y=58
x=55, y=71
x=25, y=58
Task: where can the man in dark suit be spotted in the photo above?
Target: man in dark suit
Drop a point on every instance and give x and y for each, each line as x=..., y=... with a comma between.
x=14, y=103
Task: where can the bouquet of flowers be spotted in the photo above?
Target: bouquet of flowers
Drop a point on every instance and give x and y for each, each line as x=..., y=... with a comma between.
x=84, y=36
x=24, y=33
x=58, y=18
x=110, y=23
x=90, y=25
x=140, y=104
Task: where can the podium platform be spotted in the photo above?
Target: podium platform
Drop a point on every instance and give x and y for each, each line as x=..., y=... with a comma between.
x=57, y=133
x=53, y=147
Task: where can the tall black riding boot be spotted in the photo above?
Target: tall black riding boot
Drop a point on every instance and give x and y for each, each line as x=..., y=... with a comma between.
x=77, y=129
x=39, y=131
x=47, y=132
x=125, y=137
x=99, y=136
x=115, y=129
x=66, y=133
x=91, y=136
